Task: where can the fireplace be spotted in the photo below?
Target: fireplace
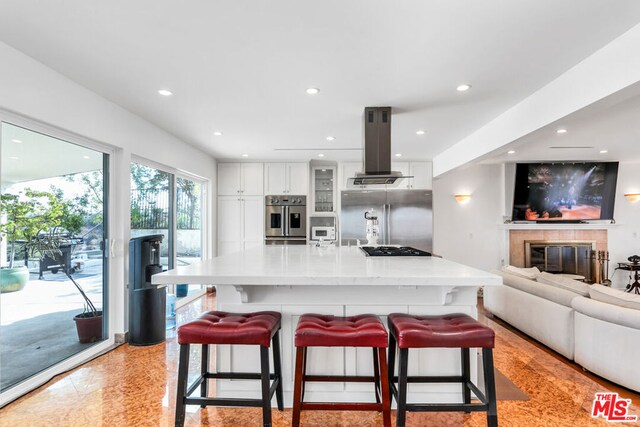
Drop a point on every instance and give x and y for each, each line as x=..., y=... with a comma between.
x=568, y=257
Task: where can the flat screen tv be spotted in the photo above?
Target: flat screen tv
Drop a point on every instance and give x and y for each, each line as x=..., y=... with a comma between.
x=570, y=192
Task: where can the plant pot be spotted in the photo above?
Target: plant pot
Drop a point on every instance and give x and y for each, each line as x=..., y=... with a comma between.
x=89, y=327
x=13, y=279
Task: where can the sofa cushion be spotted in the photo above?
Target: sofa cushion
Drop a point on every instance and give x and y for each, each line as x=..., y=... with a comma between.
x=607, y=312
x=615, y=296
x=551, y=293
x=527, y=273
x=579, y=288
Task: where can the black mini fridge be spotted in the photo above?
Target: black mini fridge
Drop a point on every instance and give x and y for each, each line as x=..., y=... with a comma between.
x=146, y=301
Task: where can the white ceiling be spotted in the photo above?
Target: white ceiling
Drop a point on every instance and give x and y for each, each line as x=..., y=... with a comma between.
x=611, y=125
x=242, y=67
x=29, y=156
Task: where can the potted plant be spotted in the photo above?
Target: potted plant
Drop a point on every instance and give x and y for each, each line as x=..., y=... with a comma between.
x=88, y=323
x=24, y=216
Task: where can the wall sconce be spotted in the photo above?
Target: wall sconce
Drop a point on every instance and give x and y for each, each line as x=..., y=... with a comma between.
x=633, y=197
x=463, y=199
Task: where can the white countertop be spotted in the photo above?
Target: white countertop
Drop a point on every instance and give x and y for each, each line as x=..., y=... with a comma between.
x=327, y=266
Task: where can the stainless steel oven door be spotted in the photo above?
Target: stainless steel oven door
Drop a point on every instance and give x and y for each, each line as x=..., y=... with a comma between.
x=296, y=224
x=275, y=221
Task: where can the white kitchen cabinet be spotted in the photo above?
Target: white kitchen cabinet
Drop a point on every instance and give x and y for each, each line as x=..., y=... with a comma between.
x=240, y=223
x=348, y=170
x=286, y=178
x=420, y=171
x=240, y=178
x=323, y=189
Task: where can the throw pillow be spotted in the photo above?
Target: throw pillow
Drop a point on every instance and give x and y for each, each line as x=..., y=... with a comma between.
x=615, y=296
x=527, y=273
x=576, y=286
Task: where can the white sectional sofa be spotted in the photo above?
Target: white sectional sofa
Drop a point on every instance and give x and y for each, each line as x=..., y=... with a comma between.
x=602, y=337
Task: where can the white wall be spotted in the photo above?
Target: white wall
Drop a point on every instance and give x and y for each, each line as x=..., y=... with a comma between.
x=29, y=88
x=469, y=233
x=624, y=239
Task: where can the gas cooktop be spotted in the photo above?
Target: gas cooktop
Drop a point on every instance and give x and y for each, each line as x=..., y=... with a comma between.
x=393, y=251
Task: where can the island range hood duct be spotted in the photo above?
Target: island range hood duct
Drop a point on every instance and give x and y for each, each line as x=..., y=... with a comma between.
x=377, y=150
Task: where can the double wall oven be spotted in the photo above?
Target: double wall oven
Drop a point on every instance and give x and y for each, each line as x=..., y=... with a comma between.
x=285, y=220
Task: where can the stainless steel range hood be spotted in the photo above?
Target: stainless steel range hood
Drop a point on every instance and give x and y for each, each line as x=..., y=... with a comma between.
x=377, y=150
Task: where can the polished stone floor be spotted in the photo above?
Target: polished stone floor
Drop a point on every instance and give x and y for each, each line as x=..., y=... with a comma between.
x=135, y=386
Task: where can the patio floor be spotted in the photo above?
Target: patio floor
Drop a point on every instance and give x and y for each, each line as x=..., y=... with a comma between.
x=36, y=324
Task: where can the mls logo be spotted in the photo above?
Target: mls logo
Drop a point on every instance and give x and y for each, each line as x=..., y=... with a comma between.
x=612, y=408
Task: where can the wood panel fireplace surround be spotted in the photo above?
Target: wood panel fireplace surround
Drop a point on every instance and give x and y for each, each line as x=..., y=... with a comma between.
x=558, y=251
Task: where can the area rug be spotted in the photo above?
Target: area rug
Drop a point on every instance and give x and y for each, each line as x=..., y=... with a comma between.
x=506, y=390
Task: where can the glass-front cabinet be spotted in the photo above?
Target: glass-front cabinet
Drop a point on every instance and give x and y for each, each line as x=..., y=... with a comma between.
x=324, y=195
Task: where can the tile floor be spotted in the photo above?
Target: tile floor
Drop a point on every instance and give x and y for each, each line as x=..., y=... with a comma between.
x=135, y=386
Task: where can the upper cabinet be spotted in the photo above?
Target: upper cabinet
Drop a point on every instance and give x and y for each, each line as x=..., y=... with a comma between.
x=286, y=178
x=422, y=173
x=240, y=178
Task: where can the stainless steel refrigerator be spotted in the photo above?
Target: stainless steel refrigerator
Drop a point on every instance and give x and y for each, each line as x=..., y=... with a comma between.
x=405, y=217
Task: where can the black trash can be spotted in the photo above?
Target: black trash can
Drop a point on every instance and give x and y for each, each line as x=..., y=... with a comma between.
x=146, y=301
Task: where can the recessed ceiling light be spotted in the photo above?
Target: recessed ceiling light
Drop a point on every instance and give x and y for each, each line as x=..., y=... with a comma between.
x=420, y=132
x=331, y=138
x=165, y=92
x=324, y=170
x=313, y=91
x=14, y=158
x=86, y=157
x=17, y=141
x=511, y=152
x=463, y=88
x=604, y=151
x=561, y=131
x=245, y=155
x=398, y=154
x=217, y=133
x=320, y=155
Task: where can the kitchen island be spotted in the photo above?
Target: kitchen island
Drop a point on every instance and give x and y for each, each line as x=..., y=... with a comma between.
x=341, y=281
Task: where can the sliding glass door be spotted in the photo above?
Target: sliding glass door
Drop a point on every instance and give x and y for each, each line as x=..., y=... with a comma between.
x=53, y=290
x=169, y=204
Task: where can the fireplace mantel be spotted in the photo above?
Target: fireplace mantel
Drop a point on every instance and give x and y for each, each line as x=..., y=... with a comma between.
x=535, y=226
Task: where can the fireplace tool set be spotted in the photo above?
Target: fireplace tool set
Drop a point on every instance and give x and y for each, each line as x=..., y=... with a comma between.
x=602, y=258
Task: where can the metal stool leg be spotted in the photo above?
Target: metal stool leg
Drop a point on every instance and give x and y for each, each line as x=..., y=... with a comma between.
x=266, y=400
x=183, y=372
x=297, y=387
x=490, y=387
x=277, y=367
x=402, y=388
x=204, y=369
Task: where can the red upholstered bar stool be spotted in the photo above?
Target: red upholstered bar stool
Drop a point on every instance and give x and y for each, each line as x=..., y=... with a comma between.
x=219, y=327
x=450, y=331
x=366, y=330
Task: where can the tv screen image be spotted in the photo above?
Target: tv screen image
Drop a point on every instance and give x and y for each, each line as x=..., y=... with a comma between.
x=564, y=191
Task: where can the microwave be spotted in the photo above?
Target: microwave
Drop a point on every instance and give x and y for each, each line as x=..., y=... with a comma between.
x=323, y=232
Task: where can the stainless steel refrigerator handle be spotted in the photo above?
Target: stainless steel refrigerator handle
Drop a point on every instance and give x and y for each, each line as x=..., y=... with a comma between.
x=388, y=224
x=285, y=221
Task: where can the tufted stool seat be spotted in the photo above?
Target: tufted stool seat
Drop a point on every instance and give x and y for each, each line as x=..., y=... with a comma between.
x=219, y=327
x=332, y=331
x=449, y=330
x=442, y=331
x=366, y=330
